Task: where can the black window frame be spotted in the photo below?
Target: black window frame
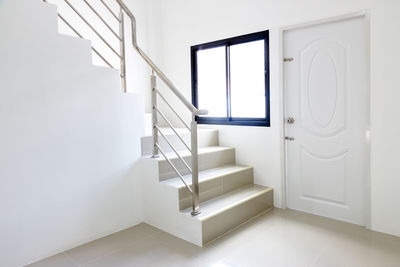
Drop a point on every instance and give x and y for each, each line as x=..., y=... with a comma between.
x=228, y=120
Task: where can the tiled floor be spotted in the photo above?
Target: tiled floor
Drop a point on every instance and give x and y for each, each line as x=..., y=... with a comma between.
x=278, y=238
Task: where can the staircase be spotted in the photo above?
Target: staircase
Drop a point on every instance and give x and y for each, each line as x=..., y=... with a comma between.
x=228, y=195
x=192, y=186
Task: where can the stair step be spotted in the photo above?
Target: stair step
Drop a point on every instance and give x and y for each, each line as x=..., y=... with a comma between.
x=206, y=137
x=212, y=183
x=224, y=213
x=209, y=158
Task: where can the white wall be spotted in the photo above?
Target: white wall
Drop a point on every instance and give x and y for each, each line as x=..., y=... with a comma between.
x=69, y=140
x=138, y=74
x=181, y=24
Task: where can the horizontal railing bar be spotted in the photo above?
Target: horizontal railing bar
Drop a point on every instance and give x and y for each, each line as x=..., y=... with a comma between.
x=101, y=18
x=174, y=168
x=69, y=25
x=166, y=102
x=171, y=86
x=176, y=152
x=110, y=10
x=101, y=56
x=173, y=128
x=80, y=36
x=93, y=29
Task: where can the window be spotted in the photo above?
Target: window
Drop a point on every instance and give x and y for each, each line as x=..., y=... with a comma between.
x=230, y=78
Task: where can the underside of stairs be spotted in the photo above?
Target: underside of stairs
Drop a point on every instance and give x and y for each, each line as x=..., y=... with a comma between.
x=228, y=195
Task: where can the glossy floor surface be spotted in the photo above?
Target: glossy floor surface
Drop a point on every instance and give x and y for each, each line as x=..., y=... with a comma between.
x=277, y=238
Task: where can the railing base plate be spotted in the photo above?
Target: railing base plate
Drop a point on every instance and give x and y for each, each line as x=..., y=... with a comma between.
x=195, y=213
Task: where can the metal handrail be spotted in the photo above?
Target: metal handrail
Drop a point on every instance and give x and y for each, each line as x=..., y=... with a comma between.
x=102, y=20
x=173, y=128
x=154, y=67
x=110, y=10
x=173, y=110
x=81, y=36
x=194, y=111
x=176, y=152
x=92, y=28
x=193, y=149
x=174, y=168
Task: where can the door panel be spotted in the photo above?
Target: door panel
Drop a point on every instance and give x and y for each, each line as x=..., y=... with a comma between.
x=326, y=89
x=323, y=70
x=319, y=184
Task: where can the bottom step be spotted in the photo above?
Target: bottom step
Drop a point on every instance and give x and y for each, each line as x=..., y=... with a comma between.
x=224, y=213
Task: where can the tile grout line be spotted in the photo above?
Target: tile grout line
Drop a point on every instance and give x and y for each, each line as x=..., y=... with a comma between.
x=111, y=252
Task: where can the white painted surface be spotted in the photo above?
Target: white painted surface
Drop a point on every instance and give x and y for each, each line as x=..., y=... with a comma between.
x=327, y=90
x=174, y=27
x=138, y=74
x=69, y=140
x=161, y=205
x=180, y=24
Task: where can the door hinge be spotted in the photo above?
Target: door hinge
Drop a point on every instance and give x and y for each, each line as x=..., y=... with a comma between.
x=289, y=138
x=288, y=59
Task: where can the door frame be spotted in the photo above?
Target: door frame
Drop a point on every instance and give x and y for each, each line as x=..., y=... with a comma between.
x=282, y=96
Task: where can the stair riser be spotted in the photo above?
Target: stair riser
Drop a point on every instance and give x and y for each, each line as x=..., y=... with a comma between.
x=205, y=139
x=206, y=161
x=227, y=220
x=215, y=187
x=78, y=47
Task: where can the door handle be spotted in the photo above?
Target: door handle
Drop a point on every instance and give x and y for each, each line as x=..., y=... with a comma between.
x=290, y=120
x=289, y=138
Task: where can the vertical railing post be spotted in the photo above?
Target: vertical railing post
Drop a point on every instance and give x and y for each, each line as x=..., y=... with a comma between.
x=122, y=50
x=195, y=167
x=154, y=114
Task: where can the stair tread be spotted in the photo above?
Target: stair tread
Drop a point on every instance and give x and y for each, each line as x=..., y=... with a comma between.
x=224, y=202
x=185, y=153
x=168, y=131
x=206, y=175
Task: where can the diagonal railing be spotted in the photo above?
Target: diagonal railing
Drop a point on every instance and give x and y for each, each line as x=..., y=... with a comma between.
x=156, y=72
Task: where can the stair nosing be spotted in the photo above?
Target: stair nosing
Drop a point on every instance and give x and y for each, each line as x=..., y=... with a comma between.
x=162, y=158
x=241, y=169
x=173, y=134
x=235, y=204
x=267, y=189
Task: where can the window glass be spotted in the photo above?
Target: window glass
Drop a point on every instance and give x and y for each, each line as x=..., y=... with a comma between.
x=211, y=81
x=231, y=80
x=247, y=80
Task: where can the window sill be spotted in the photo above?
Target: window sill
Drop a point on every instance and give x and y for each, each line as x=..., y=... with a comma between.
x=234, y=122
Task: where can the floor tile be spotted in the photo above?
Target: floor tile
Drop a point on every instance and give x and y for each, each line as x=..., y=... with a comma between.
x=279, y=238
x=109, y=244
x=59, y=260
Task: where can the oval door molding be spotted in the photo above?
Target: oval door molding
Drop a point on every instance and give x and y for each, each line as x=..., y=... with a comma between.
x=323, y=86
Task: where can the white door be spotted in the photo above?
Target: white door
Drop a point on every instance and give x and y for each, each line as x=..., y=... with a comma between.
x=326, y=72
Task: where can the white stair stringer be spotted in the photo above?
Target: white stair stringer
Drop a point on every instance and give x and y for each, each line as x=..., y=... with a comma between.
x=161, y=206
x=228, y=195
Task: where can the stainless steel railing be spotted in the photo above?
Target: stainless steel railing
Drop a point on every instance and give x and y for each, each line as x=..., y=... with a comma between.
x=193, y=168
